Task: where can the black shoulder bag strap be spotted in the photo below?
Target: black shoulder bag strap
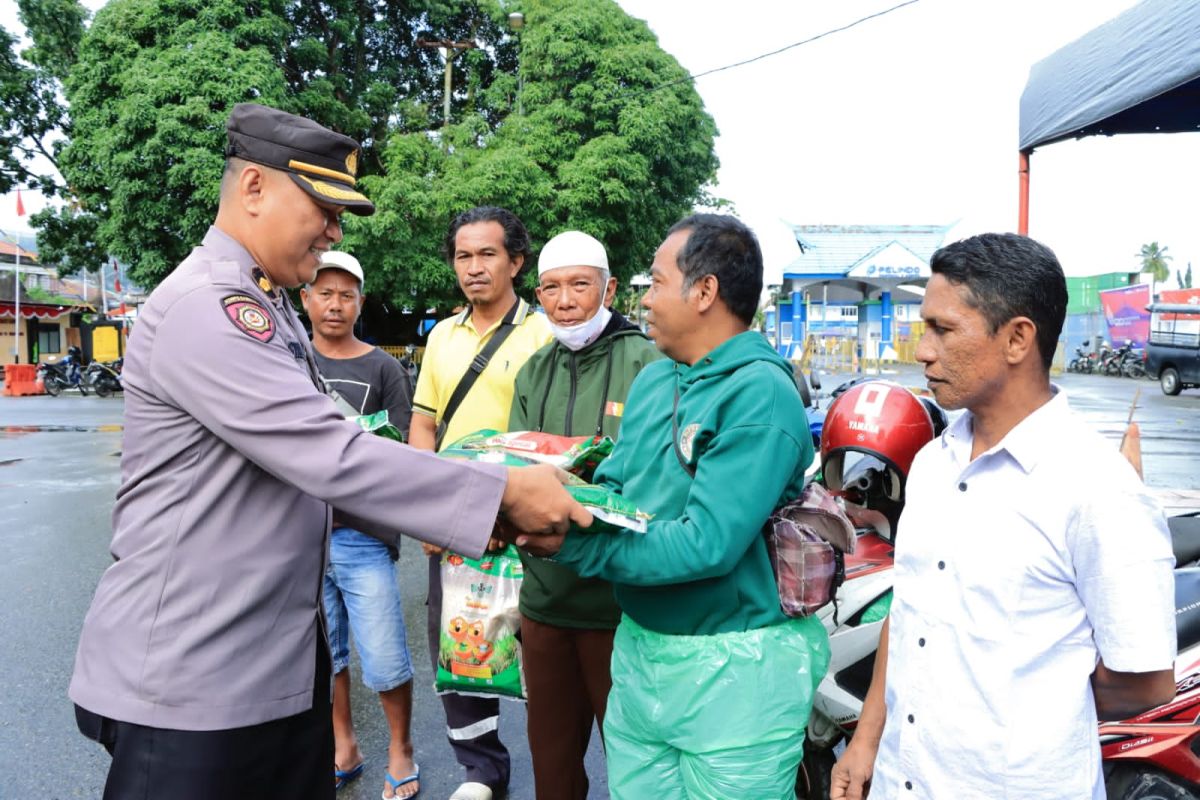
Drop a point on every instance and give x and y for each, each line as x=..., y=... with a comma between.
x=469, y=377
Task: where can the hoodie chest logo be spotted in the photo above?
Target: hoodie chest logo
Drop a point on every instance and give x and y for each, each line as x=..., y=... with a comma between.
x=687, y=438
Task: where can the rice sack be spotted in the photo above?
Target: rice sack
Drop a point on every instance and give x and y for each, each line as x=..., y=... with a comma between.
x=478, y=651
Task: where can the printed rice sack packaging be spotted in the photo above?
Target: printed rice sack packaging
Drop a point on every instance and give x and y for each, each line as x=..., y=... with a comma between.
x=478, y=652
x=575, y=454
x=578, y=455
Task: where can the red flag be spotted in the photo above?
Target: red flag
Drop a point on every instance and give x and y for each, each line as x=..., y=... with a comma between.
x=20, y=205
x=121, y=311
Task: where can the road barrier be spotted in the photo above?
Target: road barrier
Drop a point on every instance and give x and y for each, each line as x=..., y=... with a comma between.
x=21, y=380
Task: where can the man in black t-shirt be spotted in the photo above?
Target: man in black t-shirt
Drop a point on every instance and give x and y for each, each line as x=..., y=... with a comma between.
x=361, y=589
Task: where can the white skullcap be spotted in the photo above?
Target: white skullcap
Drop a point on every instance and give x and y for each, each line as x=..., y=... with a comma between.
x=344, y=261
x=572, y=249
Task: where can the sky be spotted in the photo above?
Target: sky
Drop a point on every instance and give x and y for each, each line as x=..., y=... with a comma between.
x=909, y=118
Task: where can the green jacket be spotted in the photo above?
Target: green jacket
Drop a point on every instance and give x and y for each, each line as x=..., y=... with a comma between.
x=702, y=567
x=576, y=394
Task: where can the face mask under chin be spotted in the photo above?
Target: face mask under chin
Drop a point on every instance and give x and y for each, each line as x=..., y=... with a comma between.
x=577, y=337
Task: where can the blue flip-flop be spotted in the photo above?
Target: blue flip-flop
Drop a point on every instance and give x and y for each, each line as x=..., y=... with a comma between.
x=396, y=784
x=342, y=777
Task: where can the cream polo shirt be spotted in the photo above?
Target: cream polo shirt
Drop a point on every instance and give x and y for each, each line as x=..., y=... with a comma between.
x=1015, y=572
x=453, y=344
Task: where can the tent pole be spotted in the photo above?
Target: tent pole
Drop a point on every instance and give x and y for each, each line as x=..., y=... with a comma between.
x=1023, y=208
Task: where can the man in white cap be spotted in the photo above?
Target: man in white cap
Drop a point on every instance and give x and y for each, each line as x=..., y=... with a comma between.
x=361, y=590
x=574, y=386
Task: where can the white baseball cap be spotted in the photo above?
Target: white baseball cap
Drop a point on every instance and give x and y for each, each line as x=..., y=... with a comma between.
x=344, y=261
x=572, y=249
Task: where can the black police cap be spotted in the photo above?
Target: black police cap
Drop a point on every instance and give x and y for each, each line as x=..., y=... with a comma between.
x=320, y=161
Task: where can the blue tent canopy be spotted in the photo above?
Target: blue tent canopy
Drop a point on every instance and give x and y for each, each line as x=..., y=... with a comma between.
x=1137, y=73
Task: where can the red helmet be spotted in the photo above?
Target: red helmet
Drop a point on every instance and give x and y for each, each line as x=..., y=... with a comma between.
x=869, y=439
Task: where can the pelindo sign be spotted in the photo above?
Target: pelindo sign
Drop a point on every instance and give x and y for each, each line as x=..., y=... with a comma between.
x=1126, y=314
x=892, y=263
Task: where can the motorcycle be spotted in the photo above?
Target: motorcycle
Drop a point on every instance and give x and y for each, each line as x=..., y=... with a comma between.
x=66, y=374
x=1084, y=361
x=1153, y=756
x=1133, y=365
x=104, y=378
x=1115, y=362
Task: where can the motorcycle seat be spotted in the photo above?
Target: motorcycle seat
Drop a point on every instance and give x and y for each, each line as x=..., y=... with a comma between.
x=1187, y=607
x=1185, y=538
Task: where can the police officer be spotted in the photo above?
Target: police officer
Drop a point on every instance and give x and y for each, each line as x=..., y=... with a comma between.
x=203, y=666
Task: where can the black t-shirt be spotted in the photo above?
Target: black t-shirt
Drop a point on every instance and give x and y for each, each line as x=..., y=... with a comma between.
x=371, y=383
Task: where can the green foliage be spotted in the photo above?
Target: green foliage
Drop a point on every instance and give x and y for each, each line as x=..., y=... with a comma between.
x=1184, y=278
x=1154, y=260
x=596, y=150
x=68, y=239
x=31, y=108
x=151, y=83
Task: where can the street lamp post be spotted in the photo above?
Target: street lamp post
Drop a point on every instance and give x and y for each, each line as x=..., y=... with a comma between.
x=516, y=21
x=451, y=48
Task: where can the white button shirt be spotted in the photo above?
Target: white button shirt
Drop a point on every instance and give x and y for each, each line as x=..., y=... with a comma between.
x=1015, y=572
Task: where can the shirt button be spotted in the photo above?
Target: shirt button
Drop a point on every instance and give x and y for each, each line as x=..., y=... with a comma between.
x=941, y=565
x=962, y=487
x=908, y=784
x=921, y=642
x=911, y=718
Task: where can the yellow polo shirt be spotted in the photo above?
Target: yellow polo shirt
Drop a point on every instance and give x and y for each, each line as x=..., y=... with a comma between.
x=452, y=346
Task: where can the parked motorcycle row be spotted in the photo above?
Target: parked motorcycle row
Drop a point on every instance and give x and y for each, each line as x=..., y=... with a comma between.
x=1154, y=756
x=103, y=378
x=1125, y=360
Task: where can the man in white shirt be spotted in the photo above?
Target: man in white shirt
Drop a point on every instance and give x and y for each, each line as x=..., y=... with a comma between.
x=1034, y=584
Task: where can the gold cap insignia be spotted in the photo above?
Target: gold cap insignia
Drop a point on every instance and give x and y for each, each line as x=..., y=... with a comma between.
x=352, y=162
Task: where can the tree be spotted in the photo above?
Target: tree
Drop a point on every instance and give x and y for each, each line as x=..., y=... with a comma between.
x=614, y=141
x=1184, y=278
x=1154, y=261
x=602, y=147
x=154, y=82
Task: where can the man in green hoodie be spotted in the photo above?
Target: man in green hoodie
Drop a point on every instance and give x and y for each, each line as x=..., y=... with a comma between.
x=574, y=386
x=712, y=684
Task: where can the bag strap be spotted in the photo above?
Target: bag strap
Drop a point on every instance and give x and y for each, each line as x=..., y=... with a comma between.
x=477, y=366
x=688, y=468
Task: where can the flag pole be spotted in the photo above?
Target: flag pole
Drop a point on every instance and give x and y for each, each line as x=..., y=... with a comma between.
x=17, y=286
x=17, y=299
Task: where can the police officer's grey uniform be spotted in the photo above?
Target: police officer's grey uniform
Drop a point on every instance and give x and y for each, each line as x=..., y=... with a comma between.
x=232, y=458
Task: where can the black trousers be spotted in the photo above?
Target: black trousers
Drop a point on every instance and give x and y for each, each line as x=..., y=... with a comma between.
x=471, y=722
x=289, y=758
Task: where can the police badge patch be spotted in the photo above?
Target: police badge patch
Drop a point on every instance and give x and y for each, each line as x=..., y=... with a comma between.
x=249, y=317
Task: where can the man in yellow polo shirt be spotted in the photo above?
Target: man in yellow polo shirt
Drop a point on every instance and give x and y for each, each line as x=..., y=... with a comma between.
x=488, y=248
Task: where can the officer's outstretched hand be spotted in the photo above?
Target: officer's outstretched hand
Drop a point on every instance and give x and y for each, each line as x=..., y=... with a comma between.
x=537, y=510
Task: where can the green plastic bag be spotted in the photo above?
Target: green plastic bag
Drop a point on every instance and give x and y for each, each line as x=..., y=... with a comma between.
x=478, y=651
x=379, y=425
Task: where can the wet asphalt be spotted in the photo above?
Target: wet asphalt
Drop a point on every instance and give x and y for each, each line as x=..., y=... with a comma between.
x=59, y=470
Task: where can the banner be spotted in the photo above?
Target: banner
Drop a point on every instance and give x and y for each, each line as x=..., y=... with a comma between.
x=1126, y=314
x=1189, y=297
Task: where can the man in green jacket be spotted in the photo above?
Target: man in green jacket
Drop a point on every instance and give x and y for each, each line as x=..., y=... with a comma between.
x=712, y=684
x=574, y=386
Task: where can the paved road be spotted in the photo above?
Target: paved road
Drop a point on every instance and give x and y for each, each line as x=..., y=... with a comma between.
x=58, y=475
x=59, y=462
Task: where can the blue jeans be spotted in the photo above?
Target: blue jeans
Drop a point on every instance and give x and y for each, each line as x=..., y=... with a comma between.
x=362, y=597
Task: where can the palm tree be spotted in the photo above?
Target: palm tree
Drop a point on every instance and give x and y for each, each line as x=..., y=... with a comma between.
x=1154, y=261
